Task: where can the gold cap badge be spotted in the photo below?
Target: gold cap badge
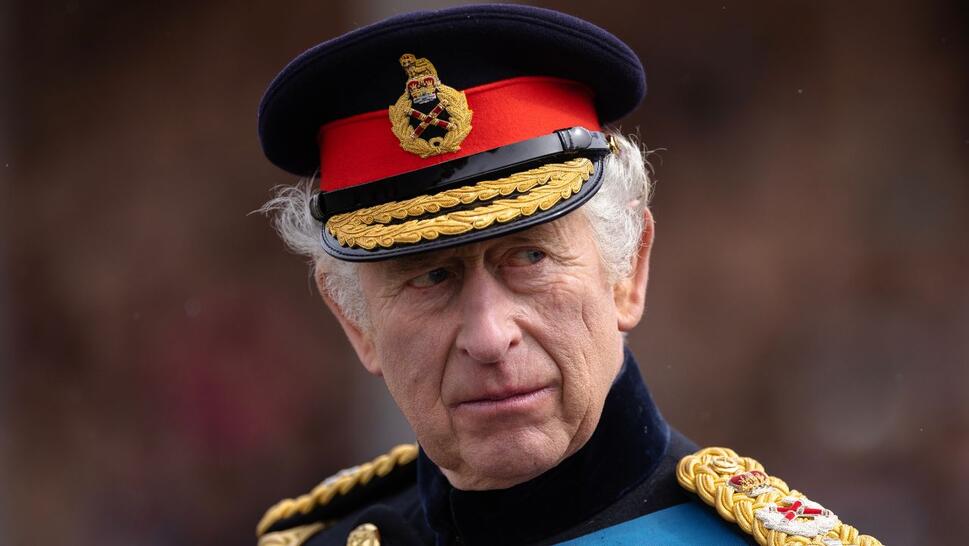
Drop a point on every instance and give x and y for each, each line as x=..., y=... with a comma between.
x=429, y=118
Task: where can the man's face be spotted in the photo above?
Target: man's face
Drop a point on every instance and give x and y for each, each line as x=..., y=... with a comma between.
x=499, y=353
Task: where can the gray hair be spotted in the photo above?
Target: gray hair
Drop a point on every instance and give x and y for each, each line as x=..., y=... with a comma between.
x=615, y=214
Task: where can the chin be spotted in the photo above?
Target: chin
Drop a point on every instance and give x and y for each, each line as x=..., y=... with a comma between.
x=506, y=460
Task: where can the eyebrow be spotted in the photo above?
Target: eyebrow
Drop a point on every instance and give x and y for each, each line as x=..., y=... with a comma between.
x=407, y=264
x=410, y=262
x=404, y=265
x=538, y=233
x=543, y=233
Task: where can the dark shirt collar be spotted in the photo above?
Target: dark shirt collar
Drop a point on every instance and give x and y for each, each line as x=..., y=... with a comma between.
x=623, y=451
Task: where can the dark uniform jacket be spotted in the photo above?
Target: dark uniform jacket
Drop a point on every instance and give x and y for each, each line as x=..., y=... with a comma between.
x=626, y=470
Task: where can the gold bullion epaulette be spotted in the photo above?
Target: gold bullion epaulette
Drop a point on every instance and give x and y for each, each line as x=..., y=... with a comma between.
x=292, y=521
x=763, y=505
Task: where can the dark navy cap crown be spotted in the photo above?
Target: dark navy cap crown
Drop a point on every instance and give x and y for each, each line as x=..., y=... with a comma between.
x=470, y=45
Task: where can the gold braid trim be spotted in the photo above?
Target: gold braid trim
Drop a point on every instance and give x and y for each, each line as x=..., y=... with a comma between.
x=291, y=537
x=338, y=484
x=707, y=473
x=539, y=189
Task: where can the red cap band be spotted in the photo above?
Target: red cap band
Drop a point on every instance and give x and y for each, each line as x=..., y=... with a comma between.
x=362, y=148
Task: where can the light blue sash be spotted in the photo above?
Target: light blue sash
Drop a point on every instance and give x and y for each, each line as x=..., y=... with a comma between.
x=687, y=523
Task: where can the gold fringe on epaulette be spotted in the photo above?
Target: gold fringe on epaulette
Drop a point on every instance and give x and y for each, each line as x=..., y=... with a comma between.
x=708, y=472
x=338, y=484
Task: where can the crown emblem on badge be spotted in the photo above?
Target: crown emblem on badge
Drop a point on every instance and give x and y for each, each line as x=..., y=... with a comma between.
x=429, y=118
x=751, y=483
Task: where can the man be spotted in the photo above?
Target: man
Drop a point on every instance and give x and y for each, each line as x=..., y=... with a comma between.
x=485, y=247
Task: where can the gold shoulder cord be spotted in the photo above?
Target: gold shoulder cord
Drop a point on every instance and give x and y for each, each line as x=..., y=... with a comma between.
x=321, y=495
x=291, y=537
x=763, y=505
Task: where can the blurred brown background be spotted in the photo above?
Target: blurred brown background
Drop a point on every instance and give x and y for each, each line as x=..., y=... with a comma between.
x=166, y=371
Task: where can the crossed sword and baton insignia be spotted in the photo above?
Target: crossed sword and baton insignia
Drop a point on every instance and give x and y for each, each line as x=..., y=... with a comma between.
x=428, y=119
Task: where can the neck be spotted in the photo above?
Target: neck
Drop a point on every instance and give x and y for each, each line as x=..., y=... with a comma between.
x=594, y=477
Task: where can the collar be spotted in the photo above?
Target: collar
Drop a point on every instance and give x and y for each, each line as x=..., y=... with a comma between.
x=624, y=450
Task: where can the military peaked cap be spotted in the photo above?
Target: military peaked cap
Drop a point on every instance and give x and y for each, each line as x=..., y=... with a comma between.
x=437, y=128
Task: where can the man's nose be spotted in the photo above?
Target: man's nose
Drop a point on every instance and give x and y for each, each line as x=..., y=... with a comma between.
x=488, y=329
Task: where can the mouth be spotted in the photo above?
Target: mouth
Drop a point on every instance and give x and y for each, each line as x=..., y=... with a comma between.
x=518, y=400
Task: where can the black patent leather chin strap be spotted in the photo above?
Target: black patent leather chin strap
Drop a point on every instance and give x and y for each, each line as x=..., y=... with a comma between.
x=563, y=145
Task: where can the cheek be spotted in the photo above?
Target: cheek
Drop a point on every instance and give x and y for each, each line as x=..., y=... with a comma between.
x=411, y=345
x=578, y=311
x=577, y=326
x=412, y=354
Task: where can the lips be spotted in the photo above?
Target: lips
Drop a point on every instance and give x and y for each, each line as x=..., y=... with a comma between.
x=505, y=399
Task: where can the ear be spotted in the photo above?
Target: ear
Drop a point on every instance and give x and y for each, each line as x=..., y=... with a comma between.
x=360, y=339
x=630, y=293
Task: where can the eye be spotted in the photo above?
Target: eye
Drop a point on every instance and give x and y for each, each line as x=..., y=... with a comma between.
x=429, y=279
x=525, y=257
